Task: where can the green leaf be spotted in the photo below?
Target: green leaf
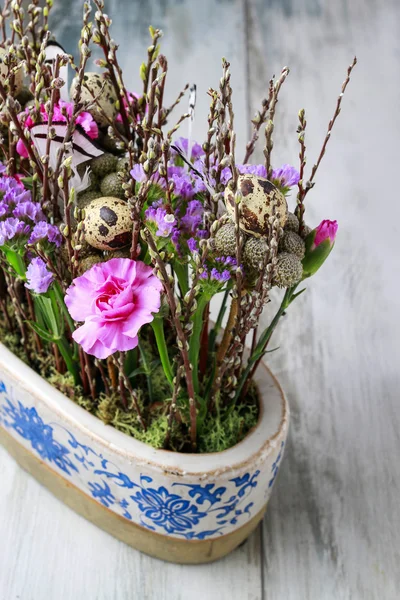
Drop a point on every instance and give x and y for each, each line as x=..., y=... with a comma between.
x=16, y=261
x=294, y=296
x=138, y=371
x=45, y=335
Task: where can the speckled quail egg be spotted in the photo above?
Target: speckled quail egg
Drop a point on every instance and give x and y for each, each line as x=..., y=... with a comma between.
x=259, y=198
x=108, y=224
x=19, y=76
x=105, y=109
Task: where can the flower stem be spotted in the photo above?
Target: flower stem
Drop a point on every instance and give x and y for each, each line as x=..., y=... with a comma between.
x=215, y=331
x=262, y=344
x=181, y=272
x=158, y=328
x=194, y=346
x=147, y=370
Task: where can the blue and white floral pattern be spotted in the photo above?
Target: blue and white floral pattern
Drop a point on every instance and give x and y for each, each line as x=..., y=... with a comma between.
x=184, y=510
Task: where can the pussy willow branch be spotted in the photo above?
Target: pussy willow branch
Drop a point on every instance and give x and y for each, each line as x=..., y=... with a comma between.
x=258, y=120
x=109, y=47
x=54, y=94
x=84, y=57
x=5, y=13
x=301, y=131
x=152, y=106
x=181, y=337
x=270, y=123
x=310, y=183
x=151, y=57
x=124, y=382
x=172, y=408
x=168, y=111
x=10, y=105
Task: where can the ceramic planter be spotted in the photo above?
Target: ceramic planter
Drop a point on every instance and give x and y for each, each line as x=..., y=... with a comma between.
x=178, y=507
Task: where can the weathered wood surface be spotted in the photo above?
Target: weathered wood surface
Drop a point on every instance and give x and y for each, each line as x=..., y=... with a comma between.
x=333, y=526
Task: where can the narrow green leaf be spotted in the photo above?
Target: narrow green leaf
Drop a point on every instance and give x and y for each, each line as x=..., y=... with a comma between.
x=45, y=335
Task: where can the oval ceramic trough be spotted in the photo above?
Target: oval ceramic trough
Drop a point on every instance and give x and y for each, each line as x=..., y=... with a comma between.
x=183, y=508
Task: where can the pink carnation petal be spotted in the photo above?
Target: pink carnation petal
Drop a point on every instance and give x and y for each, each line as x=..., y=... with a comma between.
x=114, y=299
x=21, y=149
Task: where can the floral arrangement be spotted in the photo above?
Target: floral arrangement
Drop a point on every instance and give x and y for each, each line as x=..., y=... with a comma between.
x=116, y=234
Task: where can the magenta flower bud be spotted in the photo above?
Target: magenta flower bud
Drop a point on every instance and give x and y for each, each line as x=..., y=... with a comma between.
x=326, y=229
x=319, y=244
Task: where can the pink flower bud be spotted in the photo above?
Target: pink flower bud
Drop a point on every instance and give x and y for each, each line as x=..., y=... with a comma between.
x=326, y=229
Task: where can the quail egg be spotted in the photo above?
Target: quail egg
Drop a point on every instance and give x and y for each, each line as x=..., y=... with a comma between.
x=108, y=224
x=260, y=198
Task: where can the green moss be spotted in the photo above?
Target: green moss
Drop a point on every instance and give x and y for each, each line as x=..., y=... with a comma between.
x=220, y=430
x=223, y=431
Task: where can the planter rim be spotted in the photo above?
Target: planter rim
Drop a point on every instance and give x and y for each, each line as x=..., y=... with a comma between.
x=262, y=437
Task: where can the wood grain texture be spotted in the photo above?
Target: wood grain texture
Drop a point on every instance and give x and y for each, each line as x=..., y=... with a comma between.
x=332, y=530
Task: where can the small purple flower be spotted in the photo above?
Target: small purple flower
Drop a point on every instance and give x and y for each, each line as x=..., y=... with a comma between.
x=286, y=176
x=258, y=170
x=193, y=217
x=45, y=231
x=2, y=168
x=192, y=245
x=228, y=261
x=10, y=228
x=38, y=277
x=28, y=210
x=183, y=144
x=165, y=221
x=13, y=192
x=138, y=174
x=221, y=277
x=4, y=210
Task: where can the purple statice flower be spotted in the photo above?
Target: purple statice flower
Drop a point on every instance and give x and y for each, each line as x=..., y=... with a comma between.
x=192, y=245
x=10, y=228
x=38, y=277
x=183, y=144
x=28, y=210
x=193, y=218
x=227, y=261
x=183, y=185
x=138, y=174
x=221, y=277
x=165, y=221
x=175, y=239
x=45, y=231
x=258, y=170
x=186, y=183
x=4, y=209
x=2, y=168
x=12, y=192
x=204, y=274
x=286, y=176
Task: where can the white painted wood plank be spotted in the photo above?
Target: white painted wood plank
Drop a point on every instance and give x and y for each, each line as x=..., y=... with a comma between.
x=333, y=527
x=46, y=551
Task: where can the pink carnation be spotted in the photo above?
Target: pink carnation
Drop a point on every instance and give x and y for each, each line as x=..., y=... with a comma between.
x=113, y=299
x=326, y=229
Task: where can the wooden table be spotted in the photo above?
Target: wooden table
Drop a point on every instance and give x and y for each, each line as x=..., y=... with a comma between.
x=332, y=530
